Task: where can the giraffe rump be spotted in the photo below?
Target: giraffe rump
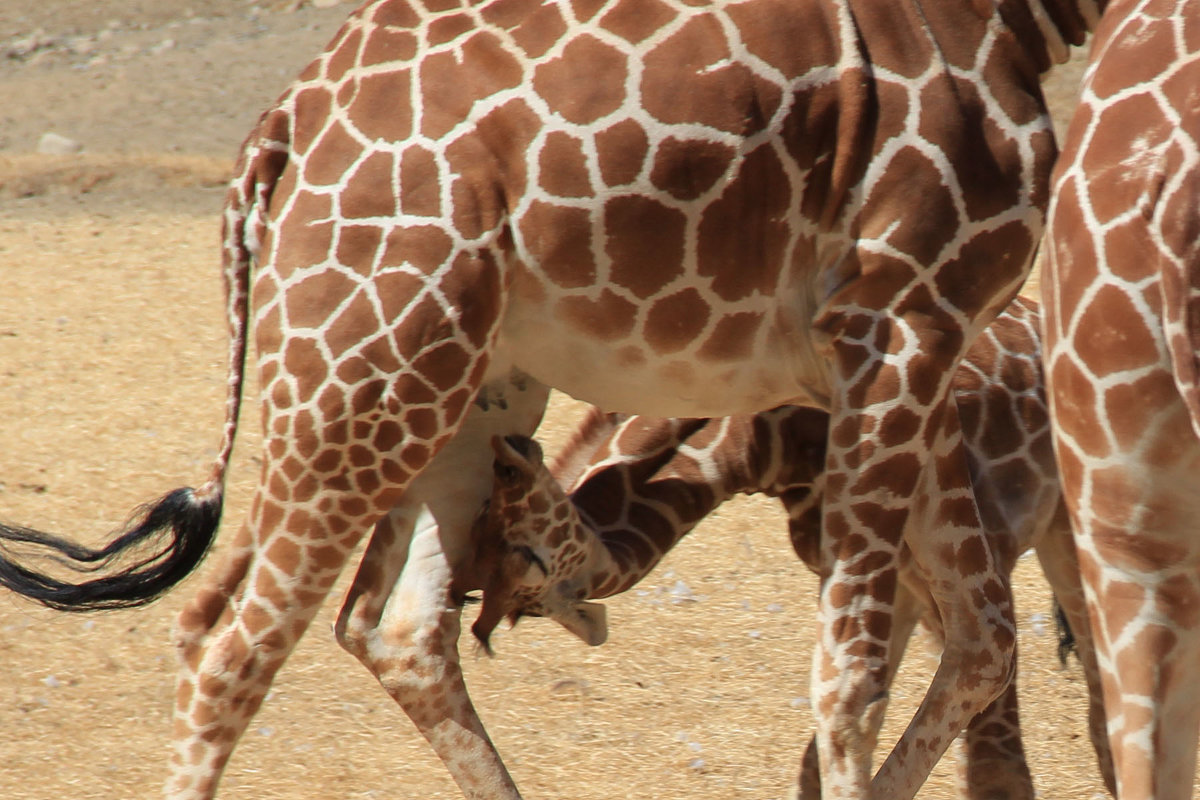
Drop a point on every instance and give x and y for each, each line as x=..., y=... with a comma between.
x=143, y=571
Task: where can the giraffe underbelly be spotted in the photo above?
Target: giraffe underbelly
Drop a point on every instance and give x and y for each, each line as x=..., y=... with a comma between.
x=778, y=366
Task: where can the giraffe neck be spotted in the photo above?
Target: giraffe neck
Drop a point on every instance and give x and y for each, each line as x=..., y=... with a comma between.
x=1052, y=26
x=664, y=476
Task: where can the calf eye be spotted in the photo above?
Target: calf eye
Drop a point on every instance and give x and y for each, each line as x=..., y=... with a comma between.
x=507, y=474
x=533, y=558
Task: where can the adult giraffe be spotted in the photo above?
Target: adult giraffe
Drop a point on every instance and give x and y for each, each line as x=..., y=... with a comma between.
x=658, y=206
x=1123, y=355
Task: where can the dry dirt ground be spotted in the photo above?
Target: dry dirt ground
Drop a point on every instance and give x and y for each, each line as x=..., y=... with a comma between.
x=112, y=369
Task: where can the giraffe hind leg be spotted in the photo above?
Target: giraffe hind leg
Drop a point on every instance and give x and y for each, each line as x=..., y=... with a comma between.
x=401, y=617
x=338, y=453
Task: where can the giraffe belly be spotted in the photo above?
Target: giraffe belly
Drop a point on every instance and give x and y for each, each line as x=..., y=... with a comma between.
x=628, y=377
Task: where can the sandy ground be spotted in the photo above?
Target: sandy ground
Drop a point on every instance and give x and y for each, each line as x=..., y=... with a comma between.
x=112, y=367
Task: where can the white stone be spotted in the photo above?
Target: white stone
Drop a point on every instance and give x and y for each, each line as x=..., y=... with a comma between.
x=54, y=144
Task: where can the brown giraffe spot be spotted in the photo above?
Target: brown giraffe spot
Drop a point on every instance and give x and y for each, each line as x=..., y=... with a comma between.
x=1075, y=411
x=448, y=28
x=836, y=159
x=637, y=20
x=608, y=317
x=395, y=291
x=421, y=423
x=1075, y=257
x=645, y=240
x=355, y=324
x=958, y=37
x=1152, y=395
x=770, y=30
x=1124, y=175
x=899, y=426
x=423, y=247
x=631, y=356
x=496, y=153
x=859, y=455
x=1177, y=601
x=427, y=325
x=621, y=151
x=369, y=191
x=559, y=238
x=940, y=342
x=357, y=246
x=686, y=169
x=1155, y=51
x=443, y=366
x=381, y=355
x=899, y=37
x=920, y=224
x=897, y=475
x=284, y=554
x=452, y=82
x=586, y=9
x=478, y=207
x=438, y=6
x=674, y=321
x=420, y=183
x=1014, y=86
x=331, y=403
x=996, y=441
x=395, y=14
x=535, y=26
x=961, y=512
x=1179, y=223
x=732, y=338
x=311, y=114
x=332, y=156
x=389, y=46
x=473, y=285
x=585, y=83
x=563, y=168
x=743, y=235
x=1107, y=348
x=689, y=79
x=302, y=243
x=309, y=302
x=984, y=157
x=344, y=55
x=882, y=279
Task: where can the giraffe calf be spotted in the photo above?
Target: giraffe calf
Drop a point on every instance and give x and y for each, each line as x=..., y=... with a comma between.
x=643, y=483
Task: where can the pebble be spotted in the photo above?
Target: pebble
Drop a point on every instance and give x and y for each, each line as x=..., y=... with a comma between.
x=55, y=144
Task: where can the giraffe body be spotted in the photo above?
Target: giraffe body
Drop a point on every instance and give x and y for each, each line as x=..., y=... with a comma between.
x=638, y=485
x=659, y=206
x=1122, y=331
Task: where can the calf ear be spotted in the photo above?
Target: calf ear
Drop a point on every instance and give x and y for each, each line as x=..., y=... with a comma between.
x=588, y=621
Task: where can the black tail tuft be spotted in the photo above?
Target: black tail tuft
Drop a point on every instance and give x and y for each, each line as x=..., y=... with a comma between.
x=140, y=576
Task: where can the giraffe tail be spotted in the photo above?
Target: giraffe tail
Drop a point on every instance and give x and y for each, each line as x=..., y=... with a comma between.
x=137, y=566
x=145, y=572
